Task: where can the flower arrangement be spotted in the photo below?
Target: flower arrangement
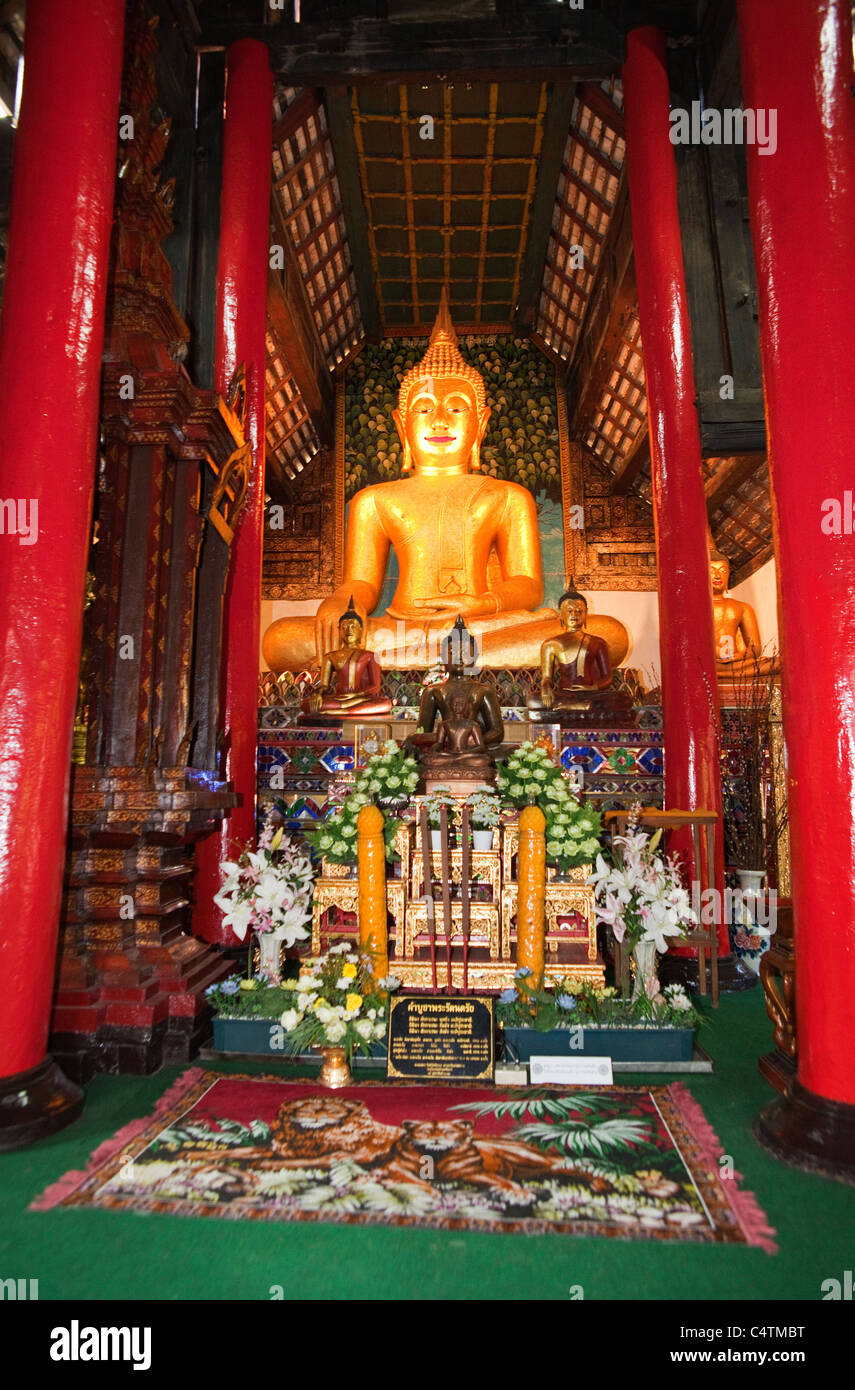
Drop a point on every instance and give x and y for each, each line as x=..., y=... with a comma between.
x=336, y=1002
x=268, y=890
x=530, y=776
x=578, y=1003
x=485, y=810
x=388, y=776
x=439, y=797
x=641, y=895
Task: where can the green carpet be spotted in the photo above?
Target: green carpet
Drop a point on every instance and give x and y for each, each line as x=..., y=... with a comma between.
x=93, y=1254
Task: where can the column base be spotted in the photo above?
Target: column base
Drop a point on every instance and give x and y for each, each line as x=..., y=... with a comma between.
x=733, y=975
x=810, y=1132
x=36, y=1103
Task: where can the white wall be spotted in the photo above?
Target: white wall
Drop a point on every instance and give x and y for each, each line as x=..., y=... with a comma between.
x=639, y=613
x=760, y=590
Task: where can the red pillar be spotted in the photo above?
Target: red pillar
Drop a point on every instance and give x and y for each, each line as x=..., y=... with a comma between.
x=50, y=359
x=797, y=60
x=686, y=635
x=241, y=327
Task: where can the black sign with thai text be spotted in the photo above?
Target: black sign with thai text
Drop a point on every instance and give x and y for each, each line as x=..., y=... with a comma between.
x=438, y=1038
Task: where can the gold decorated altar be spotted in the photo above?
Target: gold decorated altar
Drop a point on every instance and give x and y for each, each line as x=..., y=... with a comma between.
x=570, y=938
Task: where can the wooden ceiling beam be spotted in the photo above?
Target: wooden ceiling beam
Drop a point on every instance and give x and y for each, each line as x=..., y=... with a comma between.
x=635, y=462
x=345, y=154
x=728, y=477
x=588, y=192
x=303, y=106
x=293, y=325
x=555, y=131
x=596, y=153
x=346, y=42
x=609, y=311
x=598, y=101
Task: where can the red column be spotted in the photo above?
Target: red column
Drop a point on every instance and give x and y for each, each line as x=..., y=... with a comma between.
x=802, y=221
x=50, y=358
x=686, y=636
x=241, y=328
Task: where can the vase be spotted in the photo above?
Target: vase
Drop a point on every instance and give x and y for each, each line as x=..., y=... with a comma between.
x=269, y=951
x=335, y=1071
x=646, y=977
x=482, y=839
x=751, y=887
x=436, y=841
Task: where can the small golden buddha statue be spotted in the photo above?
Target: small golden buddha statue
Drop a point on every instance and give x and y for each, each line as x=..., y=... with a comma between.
x=351, y=679
x=737, y=635
x=465, y=542
x=576, y=672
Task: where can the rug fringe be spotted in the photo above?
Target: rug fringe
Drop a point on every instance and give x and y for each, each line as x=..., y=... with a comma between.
x=69, y=1183
x=743, y=1204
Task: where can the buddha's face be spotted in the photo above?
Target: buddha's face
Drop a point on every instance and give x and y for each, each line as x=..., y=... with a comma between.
x=350, y=632
x=573, y=612
x=719, y=574
x=442, y=424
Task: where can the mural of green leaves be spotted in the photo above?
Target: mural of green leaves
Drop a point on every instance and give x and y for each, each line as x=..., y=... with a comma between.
x=521, y=443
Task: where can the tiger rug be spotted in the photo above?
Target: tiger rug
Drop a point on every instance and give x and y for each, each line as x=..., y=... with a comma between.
x=621, y=1161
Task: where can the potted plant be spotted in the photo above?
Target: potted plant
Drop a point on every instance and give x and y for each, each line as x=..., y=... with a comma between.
x=336, y=1006
x=247, y=1015
x=640, y=896
x=439, y=797
x=268, y=891
x=575, y=1017
x=485, y=813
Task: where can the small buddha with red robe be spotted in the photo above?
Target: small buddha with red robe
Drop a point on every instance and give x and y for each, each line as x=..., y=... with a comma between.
x=351, y=678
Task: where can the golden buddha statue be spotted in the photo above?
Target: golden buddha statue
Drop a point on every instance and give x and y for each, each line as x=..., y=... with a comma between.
x=576, y=673
x=465, y=542
x=737, y=635
x=350, y=676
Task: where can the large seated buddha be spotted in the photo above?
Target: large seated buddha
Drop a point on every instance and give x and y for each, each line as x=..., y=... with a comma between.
x=466, y=543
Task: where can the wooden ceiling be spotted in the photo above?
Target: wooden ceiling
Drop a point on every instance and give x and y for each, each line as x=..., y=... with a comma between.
x=448, y=175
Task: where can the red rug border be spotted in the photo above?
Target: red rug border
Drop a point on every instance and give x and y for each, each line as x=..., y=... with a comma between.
x=747, y=1215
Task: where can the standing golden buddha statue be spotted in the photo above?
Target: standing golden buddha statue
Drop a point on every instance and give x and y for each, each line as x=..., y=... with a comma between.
x=466, y=543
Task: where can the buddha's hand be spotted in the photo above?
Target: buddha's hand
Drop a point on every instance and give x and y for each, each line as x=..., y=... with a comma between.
x=470, y=605
x=547, y=696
